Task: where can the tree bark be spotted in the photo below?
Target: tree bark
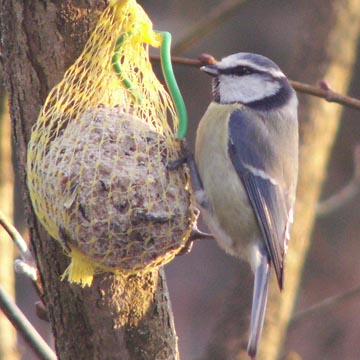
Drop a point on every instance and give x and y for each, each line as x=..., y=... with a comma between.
x=115, y=318
x=327, y=51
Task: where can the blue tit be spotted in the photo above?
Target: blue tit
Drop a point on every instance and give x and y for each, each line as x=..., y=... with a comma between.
x=246, y=169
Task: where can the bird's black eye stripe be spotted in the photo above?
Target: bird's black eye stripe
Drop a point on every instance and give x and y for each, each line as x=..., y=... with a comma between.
x=239, y=70
x=242, y=70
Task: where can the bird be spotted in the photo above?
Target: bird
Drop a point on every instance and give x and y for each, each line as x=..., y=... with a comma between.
x=245, y=169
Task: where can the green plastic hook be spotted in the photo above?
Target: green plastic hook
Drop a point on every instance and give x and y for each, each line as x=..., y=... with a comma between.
x=166, y=66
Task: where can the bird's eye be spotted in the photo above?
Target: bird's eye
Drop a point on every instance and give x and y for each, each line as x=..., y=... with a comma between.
x=241, y=70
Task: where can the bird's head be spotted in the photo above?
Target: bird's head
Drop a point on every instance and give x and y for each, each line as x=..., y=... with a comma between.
x=249, y=79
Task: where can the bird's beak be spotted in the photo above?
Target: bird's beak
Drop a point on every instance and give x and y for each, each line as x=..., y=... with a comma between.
x=212, y=70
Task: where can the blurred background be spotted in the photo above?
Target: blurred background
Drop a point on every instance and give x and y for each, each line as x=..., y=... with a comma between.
x=200, y=281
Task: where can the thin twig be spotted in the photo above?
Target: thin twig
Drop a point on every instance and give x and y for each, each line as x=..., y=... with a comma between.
x=180, y=60
x=346, y=194
x=202, y=28
x=321, y=92
x=338, y=200
x=26, y=265
x=24, y=327
x=17, y=238
x=327, y=94
x=23, y=267
x=324, y=305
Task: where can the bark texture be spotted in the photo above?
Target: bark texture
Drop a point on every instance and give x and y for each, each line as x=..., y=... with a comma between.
x=327, y=51
x=115, y=318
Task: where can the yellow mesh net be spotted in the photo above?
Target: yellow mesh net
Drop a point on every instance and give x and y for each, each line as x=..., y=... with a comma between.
x=97, y=156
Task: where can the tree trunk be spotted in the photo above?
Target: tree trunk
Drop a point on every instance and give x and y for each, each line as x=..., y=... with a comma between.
x=115, y=318
x=8, y=341
x=327, y=52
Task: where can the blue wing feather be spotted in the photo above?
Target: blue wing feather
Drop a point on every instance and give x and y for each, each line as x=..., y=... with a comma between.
x=267, y=194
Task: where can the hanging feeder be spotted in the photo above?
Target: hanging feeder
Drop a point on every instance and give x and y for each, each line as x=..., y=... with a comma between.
x=98, y=153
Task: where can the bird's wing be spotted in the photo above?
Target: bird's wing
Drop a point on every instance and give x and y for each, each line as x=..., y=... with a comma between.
x=254, y=158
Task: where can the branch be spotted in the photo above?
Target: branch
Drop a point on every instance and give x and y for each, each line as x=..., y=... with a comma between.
x=346, y=194
x=25, y=265
x=17, y=238
x=322, y=91
x=324, y=305
x=215, y=17
x=24, y=327
x=203, y=59
x=325, y=92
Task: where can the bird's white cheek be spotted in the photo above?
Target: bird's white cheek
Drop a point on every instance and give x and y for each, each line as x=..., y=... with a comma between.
x=246, y=89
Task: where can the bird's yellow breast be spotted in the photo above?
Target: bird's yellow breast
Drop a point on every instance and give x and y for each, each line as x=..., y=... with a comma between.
x=229, y=205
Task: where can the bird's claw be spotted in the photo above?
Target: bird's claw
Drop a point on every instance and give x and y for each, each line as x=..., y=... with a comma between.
x=195, y=234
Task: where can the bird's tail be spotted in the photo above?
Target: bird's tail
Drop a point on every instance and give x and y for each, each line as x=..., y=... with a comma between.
x=262, y=275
